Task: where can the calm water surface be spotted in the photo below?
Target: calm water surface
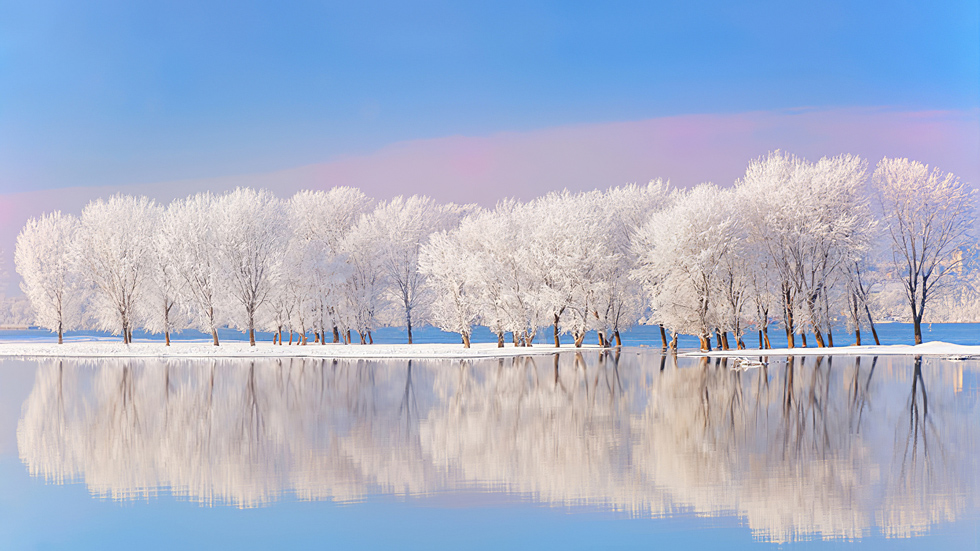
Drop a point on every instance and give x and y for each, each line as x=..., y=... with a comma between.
x=583, y=451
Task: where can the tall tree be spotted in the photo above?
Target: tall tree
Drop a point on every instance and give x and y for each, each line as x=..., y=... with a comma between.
x=196, y=256
x=252, y=235
x=114, y=244
x=928, y=214
x=317, y=269
x=680, y=251
x=43, y=258
x=399, y=228
x=449, y=264
x=160, y=311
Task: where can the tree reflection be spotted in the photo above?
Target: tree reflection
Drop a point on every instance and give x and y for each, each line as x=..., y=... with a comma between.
x=796, y=449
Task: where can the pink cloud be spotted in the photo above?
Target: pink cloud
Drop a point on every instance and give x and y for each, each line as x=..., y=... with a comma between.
x=686, y=149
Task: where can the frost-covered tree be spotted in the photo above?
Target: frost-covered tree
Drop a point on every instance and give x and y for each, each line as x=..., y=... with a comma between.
x=840, y=227
x=808, y=218
x=366, y=282
x=562, y=261
x=679, y=253
x=734, y=276
x=44, y=259
x=576, y=263
x=776, y=221
x=928, y=214
x=197, y=259
x=861, y=276
x=160, y=312
x=312, y=283
x=449, y=263
x=399, y=228
x=503, y=281
x=114, y=244
x=625, y=209
x=251, y=228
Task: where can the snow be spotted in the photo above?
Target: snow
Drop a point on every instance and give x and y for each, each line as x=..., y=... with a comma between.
x=204, y=349
x=99, y=348
x=935, y=348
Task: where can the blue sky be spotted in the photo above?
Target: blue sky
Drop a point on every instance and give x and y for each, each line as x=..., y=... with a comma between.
x=112, y=93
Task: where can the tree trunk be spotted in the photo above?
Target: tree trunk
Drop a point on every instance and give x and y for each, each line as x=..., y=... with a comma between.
x=705, y=343
x=917, y=325
x=830, y=337
x=251, y=336
x=619, y=341
x=803, y=338
x=370, y=338
x=663, y=337
x=765, y=334
x=819, y=337
x=466, y=340
x=214, y=336
x=348, y=337
x=166, y=336
x=557, y=341
x=61, y=339
x=579, y=339
x=290, y=336
x=673, y=342
x=718, y=339
x=760, y=340
x=788, y=322
x=336, y=335
x=874, y=332
x=316, y=337
x=857, y=335
x=602, y=340
x=410, y=333
x=724, y=340
x=500, y=339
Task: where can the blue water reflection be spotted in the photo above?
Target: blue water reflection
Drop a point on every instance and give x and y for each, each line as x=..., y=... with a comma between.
x=586, y=449
x=639, y=335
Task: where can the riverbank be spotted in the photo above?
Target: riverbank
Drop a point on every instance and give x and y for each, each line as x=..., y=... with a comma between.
x=103, y=349
x=935, y=348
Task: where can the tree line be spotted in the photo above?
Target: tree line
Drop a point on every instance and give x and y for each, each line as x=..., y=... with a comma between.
x=803, y=245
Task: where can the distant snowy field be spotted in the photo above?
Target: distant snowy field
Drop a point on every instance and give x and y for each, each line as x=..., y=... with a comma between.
x=239, y=349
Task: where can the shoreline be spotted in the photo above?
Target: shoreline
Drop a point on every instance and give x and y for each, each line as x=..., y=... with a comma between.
x=238, y=349
x=102, y=349
x=932, y=348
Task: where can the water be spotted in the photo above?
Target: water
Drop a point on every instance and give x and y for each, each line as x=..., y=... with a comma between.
x=589, y=450
x=642, y=335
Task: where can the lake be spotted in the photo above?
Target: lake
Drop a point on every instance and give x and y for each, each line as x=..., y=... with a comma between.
x=577, y=451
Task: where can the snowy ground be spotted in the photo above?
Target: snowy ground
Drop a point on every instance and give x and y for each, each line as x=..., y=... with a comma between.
x=936, y=348
x=101, y=348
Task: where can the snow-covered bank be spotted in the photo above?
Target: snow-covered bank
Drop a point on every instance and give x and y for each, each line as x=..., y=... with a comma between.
x=935, y=348
x=102, y=349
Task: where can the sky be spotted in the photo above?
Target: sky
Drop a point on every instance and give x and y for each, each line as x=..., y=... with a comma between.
x=467, y=101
